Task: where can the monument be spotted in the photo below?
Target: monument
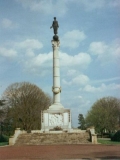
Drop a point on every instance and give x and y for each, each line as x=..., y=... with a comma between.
x=56, y=117
x=56, y=120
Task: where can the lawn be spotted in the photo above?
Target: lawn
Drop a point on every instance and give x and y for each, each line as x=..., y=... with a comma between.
x=3, y=143
x=107, y=141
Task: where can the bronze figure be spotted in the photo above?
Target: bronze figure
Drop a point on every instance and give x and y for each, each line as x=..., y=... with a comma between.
x=55, y=26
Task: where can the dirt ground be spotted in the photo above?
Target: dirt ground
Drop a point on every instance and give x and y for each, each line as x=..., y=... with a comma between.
x=61, y=152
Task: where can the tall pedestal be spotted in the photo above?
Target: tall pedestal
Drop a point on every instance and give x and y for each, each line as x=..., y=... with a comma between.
x=56, y=117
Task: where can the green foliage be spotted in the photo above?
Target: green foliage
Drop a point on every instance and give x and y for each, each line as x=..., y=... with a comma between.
x=81, y=122
x=6, y=128
x=3, y=143
x=111, y=135
x=104, y=115
x=116, y=136
x=4, y=138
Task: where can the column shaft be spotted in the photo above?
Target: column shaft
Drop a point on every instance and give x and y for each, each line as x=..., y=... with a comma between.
x=56, y=73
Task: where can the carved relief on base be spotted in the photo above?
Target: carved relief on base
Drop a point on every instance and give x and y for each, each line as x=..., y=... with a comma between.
x=55, y=119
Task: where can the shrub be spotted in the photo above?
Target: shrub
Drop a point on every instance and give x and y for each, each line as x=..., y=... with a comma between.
x=116, y=136
x=4, y=138
x=111, y=135
x=57, y=128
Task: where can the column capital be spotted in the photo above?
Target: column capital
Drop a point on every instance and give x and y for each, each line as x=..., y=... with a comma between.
x=55, y=43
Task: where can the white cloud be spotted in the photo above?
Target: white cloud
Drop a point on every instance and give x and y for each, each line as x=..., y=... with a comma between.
x=90, y=5
x=97, y=48
x=61, y=7
x=10, y=53
x=107, y=80
x=80, y=59
x=33, y=62
x=7, y=23
x=106, y=53
x=93, y=4
x=30, y=53
x=72, y=39
x=39, y=64
x=102, y=88
x=78, y=97
x=65, y=82
x=45, y=61
x=89, y=88
x=115, y=49
x=71, y=72
x=45, y=6
x=30, y=44
x=78, y=80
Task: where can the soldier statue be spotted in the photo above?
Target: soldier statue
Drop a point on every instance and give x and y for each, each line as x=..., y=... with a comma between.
x=55, y=25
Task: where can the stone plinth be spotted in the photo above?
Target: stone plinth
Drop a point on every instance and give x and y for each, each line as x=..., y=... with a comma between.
x=56, y=120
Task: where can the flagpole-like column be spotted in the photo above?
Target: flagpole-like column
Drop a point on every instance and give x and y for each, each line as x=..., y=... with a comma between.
x=56, y=89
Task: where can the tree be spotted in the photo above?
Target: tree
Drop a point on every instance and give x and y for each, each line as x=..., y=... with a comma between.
x=24, y=102
x=104, y=114
x=2, y=102
x=2, y=116
x=2, y=112
x=81, y=121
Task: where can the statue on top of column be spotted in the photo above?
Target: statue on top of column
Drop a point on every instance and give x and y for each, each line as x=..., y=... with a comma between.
x=55, y=25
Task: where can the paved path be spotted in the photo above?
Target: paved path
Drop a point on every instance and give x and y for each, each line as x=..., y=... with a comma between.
x=61, y=152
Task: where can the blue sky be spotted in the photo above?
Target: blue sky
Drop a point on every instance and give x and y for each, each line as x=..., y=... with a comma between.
x=89, y=32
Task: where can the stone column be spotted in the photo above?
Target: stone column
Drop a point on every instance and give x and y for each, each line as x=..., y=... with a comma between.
x=56, y=89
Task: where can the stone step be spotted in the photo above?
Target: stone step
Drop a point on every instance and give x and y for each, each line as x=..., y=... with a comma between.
x=51, y=138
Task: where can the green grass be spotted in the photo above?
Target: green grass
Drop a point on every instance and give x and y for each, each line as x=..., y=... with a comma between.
x=3, y=143
x=107, y=142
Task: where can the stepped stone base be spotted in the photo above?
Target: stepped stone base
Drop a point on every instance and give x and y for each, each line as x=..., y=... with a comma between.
x=52, y=138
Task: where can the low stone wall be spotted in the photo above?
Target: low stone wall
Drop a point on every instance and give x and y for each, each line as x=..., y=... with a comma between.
x=93, y=136
x=13, y=138
x=53, y=138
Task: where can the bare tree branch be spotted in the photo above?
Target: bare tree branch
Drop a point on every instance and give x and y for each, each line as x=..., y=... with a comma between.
x=25, y=102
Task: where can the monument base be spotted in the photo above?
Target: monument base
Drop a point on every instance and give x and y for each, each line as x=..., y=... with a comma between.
x=56, y=106
x=56, y=120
